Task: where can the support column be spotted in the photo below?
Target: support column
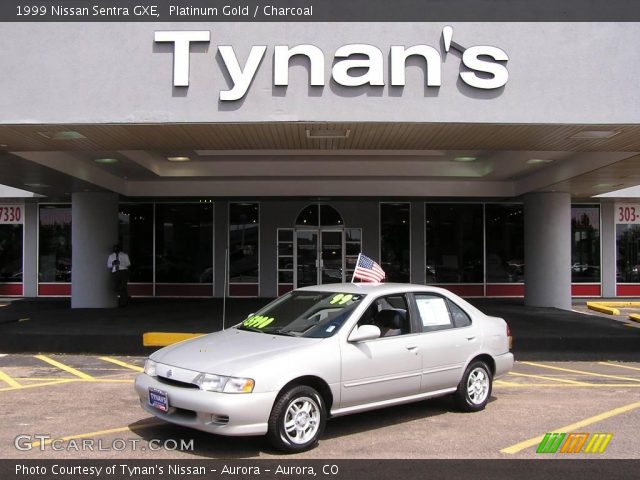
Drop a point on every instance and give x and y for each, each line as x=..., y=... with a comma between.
x=608, y=244
x=418, y=261
x=30, y=250
x=547, y=249
x=94, y=231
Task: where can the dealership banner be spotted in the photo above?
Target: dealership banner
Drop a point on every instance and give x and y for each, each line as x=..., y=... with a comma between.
x=121, y=469
x=318, y=10
x=11, y=213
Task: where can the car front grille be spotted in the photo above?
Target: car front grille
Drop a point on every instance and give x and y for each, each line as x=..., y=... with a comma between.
x=176, y=383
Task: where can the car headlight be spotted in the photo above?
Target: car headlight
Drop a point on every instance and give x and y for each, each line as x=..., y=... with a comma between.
x=220, y=383
x=150, y=367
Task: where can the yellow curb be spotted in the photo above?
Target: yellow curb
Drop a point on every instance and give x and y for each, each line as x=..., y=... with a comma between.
x=162, y=339
x=635, y=317
x=602, y=308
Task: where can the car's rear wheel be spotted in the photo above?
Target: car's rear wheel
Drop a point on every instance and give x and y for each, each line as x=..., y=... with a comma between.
x=297, y=419
x=474, y=390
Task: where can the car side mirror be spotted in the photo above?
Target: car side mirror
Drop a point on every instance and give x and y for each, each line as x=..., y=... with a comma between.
x=364, y=332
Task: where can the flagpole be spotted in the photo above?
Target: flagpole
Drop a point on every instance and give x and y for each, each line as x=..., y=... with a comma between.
x=353, y=276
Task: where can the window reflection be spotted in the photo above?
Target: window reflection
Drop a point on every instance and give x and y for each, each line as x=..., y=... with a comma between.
x=136, y=237
x=184, y=243
x=10, y=253
x=505, y=243
x=54, y=256
x=585, y=244
x=395, y=246
x=454, y=243
x=628, y=259
x=244, y=241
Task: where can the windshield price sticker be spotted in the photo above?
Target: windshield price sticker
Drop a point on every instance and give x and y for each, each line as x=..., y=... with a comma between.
x=257, y=321
x=341, y=299
x=11, y=214
x=628, y=213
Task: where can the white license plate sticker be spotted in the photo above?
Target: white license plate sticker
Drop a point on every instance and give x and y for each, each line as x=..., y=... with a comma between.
x=159, y=399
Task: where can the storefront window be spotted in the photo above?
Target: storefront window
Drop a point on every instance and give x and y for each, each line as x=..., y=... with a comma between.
x=505, y=243
x=585, y=244
x=10, y=253
x=184, y=243
x=454, y=243
x=55, y=243
x=136, y=237
x=244, y=242
x=628, y=260
x=395, y=241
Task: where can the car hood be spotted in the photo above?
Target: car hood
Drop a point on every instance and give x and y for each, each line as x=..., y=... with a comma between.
x=229, y=352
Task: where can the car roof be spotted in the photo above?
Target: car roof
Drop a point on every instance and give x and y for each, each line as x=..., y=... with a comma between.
x=373, y=288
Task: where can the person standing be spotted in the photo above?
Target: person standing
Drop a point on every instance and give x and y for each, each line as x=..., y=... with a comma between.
x=119, y=264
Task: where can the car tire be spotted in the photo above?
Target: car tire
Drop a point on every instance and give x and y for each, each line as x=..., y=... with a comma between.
x=474, y=390
x=297, y=419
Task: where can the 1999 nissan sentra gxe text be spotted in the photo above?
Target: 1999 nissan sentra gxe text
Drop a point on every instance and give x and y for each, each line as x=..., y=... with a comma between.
x=327, y=351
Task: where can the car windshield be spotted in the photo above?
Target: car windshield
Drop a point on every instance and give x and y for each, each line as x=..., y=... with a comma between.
x=304, y=314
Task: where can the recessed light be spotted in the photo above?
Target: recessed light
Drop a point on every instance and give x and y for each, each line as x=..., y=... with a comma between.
x=62, y=135
x=586, y=134
x=465, y=159
x=106, y=161
x=328, y=133
x=607, y=185
x=3, y=145
x=538, y=161
x=178, y=159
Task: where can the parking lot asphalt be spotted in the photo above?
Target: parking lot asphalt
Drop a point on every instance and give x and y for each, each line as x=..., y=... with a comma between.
x=50, y=325
x=80, y=406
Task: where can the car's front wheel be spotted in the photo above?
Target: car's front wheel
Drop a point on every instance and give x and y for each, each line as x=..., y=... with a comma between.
x=474, y=389
x=297, y=419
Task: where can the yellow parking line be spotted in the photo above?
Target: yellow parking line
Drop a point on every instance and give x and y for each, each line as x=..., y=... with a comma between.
x=57, y=382
x=504, y=383
x=619, y=366
x=574, y=426
x=582, y=372
x=122, y=364
x=99, y=433
x=561, y=380
x=568, y=385
x=8, y=380
x=64, y=367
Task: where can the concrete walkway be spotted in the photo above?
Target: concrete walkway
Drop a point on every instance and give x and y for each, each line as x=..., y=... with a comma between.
x=50, y=325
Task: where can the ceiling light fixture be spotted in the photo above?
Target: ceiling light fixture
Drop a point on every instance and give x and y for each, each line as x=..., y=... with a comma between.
x=595, y=134
x=328, y=133
x=465, y=159
x=538, y=161
x=62, y=135
x=106, y=161
x=179, y=159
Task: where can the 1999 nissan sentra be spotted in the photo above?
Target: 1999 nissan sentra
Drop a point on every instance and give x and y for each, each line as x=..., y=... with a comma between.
x=327, y=351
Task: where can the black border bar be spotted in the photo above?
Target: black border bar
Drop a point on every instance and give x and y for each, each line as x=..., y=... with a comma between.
x=320, y=11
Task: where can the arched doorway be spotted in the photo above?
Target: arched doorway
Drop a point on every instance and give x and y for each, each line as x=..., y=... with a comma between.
x=319, y=256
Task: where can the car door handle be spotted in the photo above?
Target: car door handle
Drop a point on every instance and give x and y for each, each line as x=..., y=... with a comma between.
x=471, y=337
x=412, y=348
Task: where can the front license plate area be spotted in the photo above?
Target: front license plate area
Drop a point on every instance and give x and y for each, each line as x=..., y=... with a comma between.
x=159, y=399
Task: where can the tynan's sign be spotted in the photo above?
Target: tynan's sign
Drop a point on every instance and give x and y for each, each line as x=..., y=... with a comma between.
x=485, y=65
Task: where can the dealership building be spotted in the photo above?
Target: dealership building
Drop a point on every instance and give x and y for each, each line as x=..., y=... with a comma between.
x=493, y=159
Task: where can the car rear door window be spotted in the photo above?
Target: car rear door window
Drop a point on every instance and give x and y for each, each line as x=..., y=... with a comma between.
x=433, y=312
x=460, y=317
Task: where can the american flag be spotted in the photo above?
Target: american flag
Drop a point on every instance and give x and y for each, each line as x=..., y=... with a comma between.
x=367, y=270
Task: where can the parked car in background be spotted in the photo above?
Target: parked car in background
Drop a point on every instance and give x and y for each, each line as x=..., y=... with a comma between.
x=325, y=351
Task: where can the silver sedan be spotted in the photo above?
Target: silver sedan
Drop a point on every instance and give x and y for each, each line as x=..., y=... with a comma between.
x=327, y=351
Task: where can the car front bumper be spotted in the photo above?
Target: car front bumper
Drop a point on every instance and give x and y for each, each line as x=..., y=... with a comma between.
x=220, y=413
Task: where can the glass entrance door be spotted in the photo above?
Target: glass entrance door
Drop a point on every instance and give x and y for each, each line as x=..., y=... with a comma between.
x=319, y=257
